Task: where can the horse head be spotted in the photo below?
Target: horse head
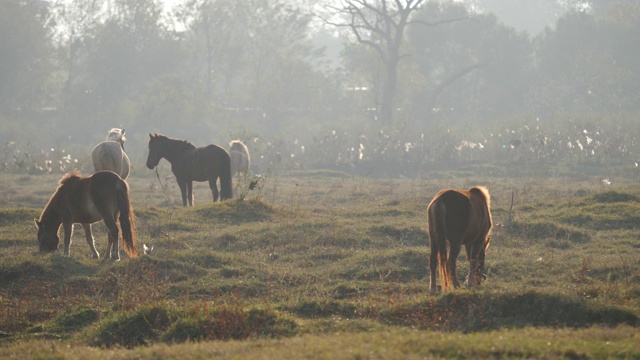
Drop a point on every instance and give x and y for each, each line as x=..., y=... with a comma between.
x=117, y=135
x=154, y=151
x=47, y=237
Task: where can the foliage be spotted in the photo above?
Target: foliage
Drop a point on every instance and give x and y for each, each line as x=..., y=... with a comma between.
x=25, y=65
x=206, y=69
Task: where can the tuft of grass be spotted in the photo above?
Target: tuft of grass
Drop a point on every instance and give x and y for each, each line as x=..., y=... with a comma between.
x=555, y=235
x=466, y=311
x=322, y=308
x=236, y=211
x=608, y=197
x=72, y=320
x=196, y=322
x=10, y=217
x=139, y=327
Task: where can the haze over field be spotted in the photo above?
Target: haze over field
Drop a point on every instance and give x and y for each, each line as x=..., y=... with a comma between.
x=356, y=113
x=312, y=84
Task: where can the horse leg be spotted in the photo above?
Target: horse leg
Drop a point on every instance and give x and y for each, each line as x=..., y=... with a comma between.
x=475, y=254
x=90, y=240
x=68, y=231
x=110, y=221
x=190, y=192
x=183, y=191
x=107, y=251
x=433, y=268
x=454, y=251
x=214, y=189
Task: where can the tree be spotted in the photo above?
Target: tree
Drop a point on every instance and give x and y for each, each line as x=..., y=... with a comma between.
x=25, y=64
x=75, y=24
x=129, y=48
x=257, y=55
x=381, y=25
x=585, y=64
x=477, y=67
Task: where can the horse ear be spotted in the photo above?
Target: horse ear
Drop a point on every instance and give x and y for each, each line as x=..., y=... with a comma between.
x=150, y=136
x=38, y=223
x=122, y=131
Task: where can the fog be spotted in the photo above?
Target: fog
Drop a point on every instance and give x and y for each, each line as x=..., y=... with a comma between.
x=320, y=85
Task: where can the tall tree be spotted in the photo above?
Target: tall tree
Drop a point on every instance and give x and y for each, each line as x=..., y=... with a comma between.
x=25, y=45
x=469, y=66
x=586, y=64
x=130, y=47
x=255, y=54
x=75, y=24
x=381, y=25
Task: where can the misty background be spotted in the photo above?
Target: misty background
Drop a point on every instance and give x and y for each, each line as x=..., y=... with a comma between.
x=360, y=86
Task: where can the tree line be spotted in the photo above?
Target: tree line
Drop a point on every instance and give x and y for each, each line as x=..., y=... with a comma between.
x=296, y=72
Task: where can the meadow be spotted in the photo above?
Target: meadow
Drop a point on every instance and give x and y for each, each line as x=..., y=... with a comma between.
x=321, y=264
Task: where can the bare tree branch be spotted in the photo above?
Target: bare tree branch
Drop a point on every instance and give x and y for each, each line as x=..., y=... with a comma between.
x=442, y=22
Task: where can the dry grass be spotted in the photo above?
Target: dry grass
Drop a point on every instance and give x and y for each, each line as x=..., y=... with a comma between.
x=307, y=256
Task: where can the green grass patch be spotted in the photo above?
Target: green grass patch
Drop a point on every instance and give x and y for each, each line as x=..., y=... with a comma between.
x=318, y=264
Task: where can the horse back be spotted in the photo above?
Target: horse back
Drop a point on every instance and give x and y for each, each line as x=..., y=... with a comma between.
x=206, y=163
x=89, y=198
x=109, y=155
x=481, y=207
x=453, y=206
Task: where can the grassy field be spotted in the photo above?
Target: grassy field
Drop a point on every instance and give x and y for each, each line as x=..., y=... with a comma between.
x=324, y=265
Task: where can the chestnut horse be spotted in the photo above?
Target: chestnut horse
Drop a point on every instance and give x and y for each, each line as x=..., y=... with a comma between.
x=189, y=164
x=86, y=200
x=110, y=155
x=459, y=217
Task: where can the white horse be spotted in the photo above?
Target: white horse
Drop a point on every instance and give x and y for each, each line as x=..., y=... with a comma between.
x=110, y=155
x=240, y=158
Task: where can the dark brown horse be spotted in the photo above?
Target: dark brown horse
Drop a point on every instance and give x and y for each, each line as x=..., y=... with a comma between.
x=85, y=200
x=459, y=217
x=189, y=164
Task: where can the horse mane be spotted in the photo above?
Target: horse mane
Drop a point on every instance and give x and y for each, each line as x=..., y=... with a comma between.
x=178, y=142
x=69, y=178
x=72, y=176
x=238, y=145
x=482, y=191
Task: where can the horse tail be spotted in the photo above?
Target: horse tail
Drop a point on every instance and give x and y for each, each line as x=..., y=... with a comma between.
x=226, y=184
x=127, y=222
x=439, y=239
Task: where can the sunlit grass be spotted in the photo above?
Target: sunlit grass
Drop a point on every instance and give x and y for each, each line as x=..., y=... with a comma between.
x=313, y=256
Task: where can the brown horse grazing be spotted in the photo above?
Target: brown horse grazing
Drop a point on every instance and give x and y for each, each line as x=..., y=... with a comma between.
x=461, y=217
x=189, y=164
x=85, y=200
